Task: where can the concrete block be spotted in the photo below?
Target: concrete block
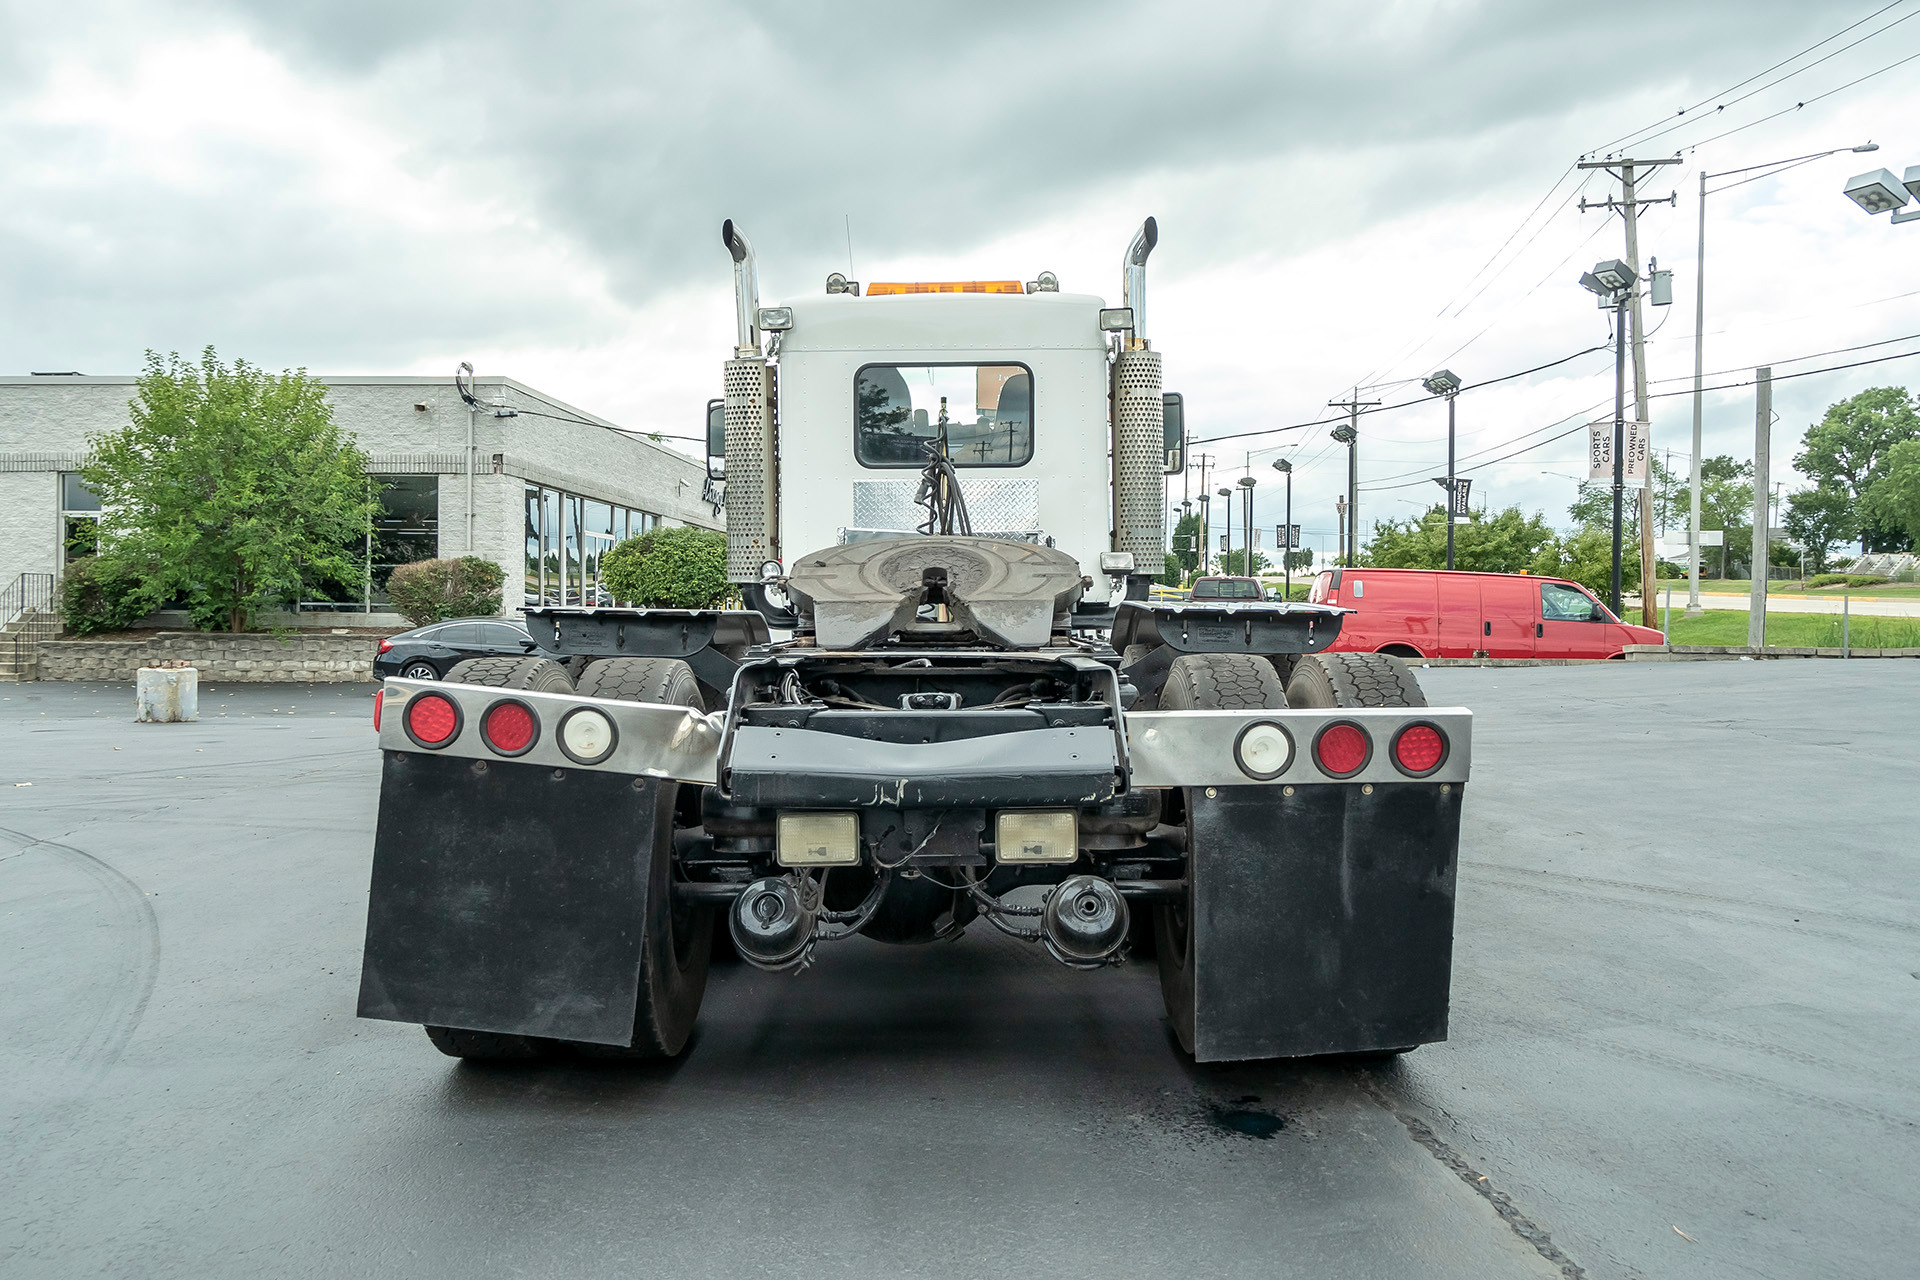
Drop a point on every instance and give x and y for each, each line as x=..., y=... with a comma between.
x=166, y=695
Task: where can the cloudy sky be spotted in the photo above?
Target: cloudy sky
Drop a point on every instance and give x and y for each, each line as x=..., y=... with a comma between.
x=1346, y=194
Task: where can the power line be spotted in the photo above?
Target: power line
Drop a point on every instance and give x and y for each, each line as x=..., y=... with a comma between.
x=1387, y=408
x=1694, y=146
x=1804, y=373
x=1790, y=75
x=1782, y=377
x=1635, y=134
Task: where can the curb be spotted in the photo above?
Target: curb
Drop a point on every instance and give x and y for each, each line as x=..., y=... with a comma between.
x=1735, y=652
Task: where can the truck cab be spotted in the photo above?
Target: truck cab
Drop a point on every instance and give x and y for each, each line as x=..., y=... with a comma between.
x=1018, y=383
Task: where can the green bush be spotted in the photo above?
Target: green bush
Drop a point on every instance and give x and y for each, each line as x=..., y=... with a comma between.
x=1667, y=569
x=680, y=567
x=102, y=594
x=430, y=591
x=1845, y=580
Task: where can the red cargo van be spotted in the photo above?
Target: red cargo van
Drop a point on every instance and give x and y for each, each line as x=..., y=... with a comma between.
x=1432, y=613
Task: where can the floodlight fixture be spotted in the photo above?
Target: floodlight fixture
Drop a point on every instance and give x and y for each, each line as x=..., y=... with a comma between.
x=1614, y=274
x=1245, y=482
x=1282, y=465
x=1343, y=433
x=1444, y=382
x=1879, y=191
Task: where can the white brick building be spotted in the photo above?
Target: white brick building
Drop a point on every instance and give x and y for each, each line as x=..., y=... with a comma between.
x=551, y=486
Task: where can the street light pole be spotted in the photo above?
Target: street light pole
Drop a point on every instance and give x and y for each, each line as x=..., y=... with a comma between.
x=1285, y=541
x=1699, y=339
x=1619, y=434
x=1228, y=549
x=1247, y=483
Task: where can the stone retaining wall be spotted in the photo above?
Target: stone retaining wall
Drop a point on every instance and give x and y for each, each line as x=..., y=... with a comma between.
x=244, y=659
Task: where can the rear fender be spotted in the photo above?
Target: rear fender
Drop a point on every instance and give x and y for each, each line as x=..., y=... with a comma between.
x=1322, y=917
x=510, y=897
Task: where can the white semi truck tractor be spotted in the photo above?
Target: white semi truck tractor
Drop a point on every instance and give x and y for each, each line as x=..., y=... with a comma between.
x=948, y=684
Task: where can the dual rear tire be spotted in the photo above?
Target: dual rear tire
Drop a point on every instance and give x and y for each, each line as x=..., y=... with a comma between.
x=1246, y=682
x=676, y=940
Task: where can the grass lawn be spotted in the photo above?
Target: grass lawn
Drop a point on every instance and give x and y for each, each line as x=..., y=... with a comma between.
x=1725, y=626
x=1740, y=587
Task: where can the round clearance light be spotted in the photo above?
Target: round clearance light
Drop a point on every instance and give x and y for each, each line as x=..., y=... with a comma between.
x=1263, y=750
x=510, y=728
x=432, y=720
x=1419, y=750
x=1342, y=749
x=587, y=736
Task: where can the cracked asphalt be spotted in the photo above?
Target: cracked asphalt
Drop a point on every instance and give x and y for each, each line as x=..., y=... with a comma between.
x=1681, y=1045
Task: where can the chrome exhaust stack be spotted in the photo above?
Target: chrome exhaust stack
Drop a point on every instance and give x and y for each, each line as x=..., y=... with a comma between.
x=746, y=290
x=1133, y=275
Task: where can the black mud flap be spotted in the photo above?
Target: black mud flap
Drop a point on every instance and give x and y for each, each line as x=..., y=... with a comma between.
x=1323, y=920
x=508, y=897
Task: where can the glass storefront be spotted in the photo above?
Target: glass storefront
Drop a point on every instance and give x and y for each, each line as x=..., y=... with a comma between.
x=567, y=535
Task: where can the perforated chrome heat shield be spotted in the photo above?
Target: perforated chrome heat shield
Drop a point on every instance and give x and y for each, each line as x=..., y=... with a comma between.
x=1139, y=436
x=753, y=472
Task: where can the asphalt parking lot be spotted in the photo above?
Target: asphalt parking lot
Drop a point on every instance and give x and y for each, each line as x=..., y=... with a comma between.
x=1681, y=1045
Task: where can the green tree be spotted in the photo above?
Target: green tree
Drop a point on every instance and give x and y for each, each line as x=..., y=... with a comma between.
x=1233, y=563
x=1298, y=560
x=1586, y=557
x=1847, y=450
x=1726, y=503
x=1894, y=499
x=1186, y=545
x=1509, y=542
x=1593, y=507
x=234, y=488
x=1822, y=516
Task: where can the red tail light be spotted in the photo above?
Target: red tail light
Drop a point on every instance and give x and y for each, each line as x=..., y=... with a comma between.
x=379, y=696
x=386, y=646
x=1419, y=749
x=1342, y=749
x=509, y=728
x=432, y=720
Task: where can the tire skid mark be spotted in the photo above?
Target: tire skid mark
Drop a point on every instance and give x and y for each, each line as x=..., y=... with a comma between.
x=1694, y=895
x=1741, y=1080
x=137, y=930
x=1691, y=913
x=1589, y=1011
x=1519, y=1223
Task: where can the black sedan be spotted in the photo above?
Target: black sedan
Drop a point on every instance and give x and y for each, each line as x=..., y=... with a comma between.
x=428, y=653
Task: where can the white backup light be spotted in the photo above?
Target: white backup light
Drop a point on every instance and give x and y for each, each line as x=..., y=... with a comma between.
x=587, y=736
x=1263, y=750
x=1036, y=836
x=817, y=839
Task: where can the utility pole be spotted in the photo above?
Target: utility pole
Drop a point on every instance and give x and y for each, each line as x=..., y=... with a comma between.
x=1762, y=464
x=1351, y=507
x=1628, y=206
x=1206, y=522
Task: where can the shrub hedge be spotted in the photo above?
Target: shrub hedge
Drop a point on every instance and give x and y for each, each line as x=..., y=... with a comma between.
x=678, y=567
x=430, y=591
x=101, y=594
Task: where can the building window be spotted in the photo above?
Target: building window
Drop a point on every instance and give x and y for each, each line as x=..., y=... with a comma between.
x=79, y=517
x=567, y=535
x=406, y=529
